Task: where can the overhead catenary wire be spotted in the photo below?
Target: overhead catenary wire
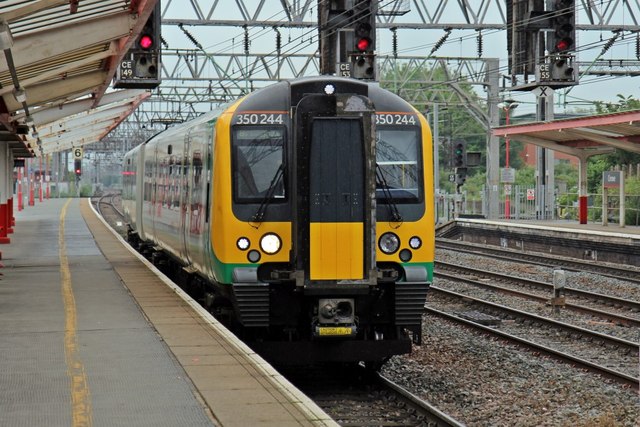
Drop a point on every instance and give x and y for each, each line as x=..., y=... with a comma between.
x=294, y=46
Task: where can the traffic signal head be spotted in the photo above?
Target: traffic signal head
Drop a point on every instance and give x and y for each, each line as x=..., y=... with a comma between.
x=77, y=167
x=363, y=39
x=563, y=37
x=459, y=154
x=140, y=67
x=362, y=52
x=147, y=48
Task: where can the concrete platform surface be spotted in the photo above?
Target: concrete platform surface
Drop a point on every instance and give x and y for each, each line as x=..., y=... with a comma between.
x=92, y=334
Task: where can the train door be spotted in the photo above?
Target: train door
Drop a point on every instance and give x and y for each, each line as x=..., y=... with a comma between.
x=335, y=213
x=336, y=188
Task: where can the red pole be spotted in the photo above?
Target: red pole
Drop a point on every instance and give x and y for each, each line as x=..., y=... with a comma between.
x=47, y=175
x=31, y=189
x=582, y=209
x=40, y=179
x=10, y=219
x=20, y=207
x=3, y=224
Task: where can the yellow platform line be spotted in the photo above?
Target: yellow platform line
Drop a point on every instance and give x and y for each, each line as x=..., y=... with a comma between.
x=80, y=398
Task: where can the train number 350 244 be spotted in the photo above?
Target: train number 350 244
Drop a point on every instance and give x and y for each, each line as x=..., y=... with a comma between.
x=395, y=119
x=259, y=119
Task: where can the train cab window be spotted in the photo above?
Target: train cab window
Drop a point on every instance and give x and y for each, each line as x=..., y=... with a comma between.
x=399, y=166
x=257, y=164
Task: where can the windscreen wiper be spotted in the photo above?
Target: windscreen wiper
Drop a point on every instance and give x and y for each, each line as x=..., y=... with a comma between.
x=259, y=215
x=391, y=203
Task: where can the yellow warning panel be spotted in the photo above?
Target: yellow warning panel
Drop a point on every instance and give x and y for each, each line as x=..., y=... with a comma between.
x=337, y=251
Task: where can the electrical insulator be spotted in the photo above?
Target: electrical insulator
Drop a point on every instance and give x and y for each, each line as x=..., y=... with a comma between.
x=246, y=40
x=479, y=38
x=395, y=42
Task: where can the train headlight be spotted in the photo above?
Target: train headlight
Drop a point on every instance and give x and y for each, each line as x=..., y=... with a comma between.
x=270, y=243
x=243, y=243
x=389, y=243
x=329, y=89
x=415, y=242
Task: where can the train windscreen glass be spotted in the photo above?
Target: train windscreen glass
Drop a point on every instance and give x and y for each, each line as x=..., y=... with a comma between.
x=399, y=167
x=257, y=161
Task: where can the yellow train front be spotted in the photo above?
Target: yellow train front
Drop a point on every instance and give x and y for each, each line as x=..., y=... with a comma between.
x=319, y=211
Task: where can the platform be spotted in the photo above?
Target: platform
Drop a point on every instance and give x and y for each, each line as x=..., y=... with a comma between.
x=90, y=334
x=591, y=241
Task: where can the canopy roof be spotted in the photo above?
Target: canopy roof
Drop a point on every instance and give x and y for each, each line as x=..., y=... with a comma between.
x=57, y=61
x=580, y=137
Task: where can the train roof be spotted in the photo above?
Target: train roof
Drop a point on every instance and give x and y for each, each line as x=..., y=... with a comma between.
x=286, y=93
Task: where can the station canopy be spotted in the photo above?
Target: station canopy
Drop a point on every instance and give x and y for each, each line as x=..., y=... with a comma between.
x=57, y=61
x=582, y=136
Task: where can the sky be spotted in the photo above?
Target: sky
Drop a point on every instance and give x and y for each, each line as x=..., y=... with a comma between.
x=460, y=43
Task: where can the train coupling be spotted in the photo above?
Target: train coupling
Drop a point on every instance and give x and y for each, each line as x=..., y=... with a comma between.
x=335, y=318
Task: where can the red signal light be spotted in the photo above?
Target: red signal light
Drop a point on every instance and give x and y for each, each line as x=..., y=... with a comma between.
x=363, y=44
x=146, y=42
x=563, y=44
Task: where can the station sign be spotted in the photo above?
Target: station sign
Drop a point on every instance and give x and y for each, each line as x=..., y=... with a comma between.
x=611, y=179
x=508, y=175
x=531, y=194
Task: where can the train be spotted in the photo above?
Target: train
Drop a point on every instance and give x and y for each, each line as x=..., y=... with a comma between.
x=301, y=216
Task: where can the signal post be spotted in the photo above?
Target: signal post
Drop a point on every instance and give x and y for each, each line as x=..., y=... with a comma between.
x=140, y=67
x=552, y=64
x=348, y=38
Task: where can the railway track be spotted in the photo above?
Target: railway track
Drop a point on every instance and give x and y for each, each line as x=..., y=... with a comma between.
x=619, y=272
x=610, y=356
x=354, y=396
x=108, y=206
x=625, y=309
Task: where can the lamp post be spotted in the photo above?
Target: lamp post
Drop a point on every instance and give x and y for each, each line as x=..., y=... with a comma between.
x=507, y=105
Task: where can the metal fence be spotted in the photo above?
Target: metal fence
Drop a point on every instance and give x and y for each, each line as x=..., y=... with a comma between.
x=522, y=206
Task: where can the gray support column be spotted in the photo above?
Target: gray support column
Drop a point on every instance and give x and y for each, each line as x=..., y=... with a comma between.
x=493, y=142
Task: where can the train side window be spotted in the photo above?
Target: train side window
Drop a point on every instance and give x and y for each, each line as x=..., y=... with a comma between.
x=398, y=160
x=257, y=157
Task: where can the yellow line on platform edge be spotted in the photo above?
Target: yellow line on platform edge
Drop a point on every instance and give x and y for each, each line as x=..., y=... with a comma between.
x=80, y=399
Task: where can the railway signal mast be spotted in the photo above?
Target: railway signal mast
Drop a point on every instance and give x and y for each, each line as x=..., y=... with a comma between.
x=362, y=54
x=542, y=41
x=348, y=38
x=140, y=67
